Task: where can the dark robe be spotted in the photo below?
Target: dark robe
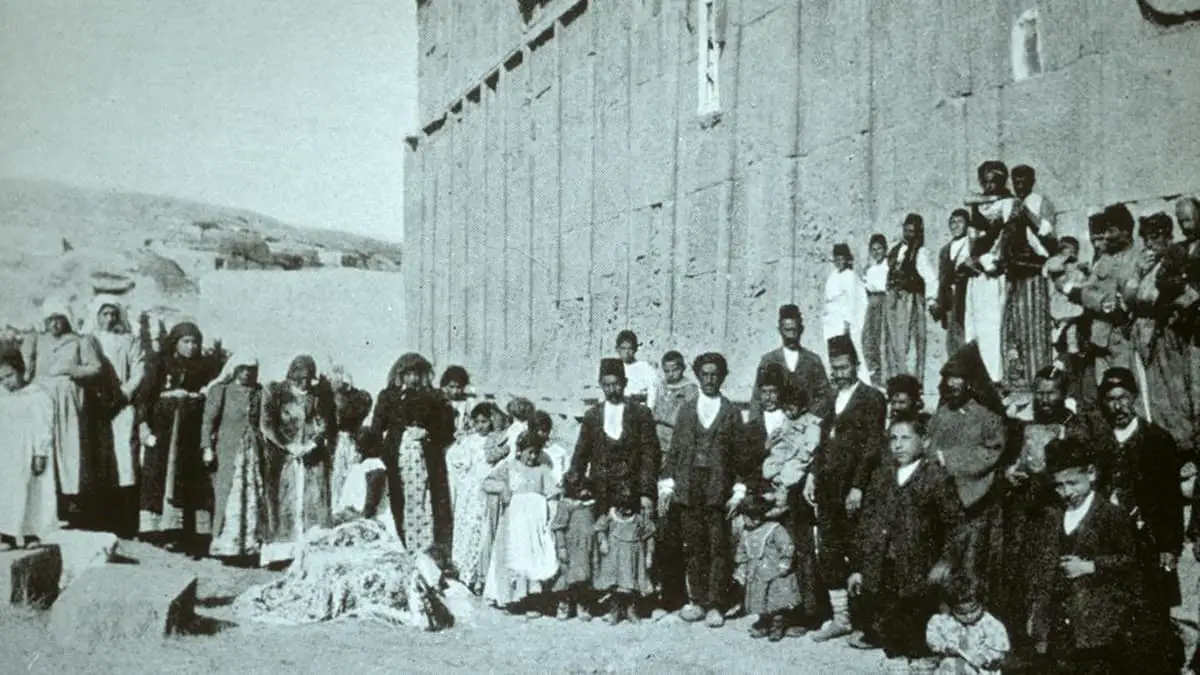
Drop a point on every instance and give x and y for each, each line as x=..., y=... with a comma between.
x=851, y=447
x=952, y=300
x=808, y=377
x=902, y=532
x=1086, y=618
x=397, y=409
x=631, y=460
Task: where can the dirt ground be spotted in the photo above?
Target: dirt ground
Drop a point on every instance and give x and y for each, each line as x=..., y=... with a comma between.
x=492, y=642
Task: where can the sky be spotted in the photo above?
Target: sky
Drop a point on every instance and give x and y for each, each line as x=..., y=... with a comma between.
x=297, y=109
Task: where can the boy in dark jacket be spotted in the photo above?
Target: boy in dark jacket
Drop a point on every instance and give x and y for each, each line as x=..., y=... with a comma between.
x=1084, y=580
x=911, y=512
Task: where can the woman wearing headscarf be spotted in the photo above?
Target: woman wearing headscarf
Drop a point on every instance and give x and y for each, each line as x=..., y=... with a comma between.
x=61, y=362
x=232, y=450
x=111, y=407
x=299, y=422
x=176, y=493
x=413, y=425
x=987, y=288
x=352, y=406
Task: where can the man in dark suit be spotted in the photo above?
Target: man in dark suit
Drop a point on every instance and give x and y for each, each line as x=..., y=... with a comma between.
x=804, y=368
x=1084, y=574
x=701, y=483
x=851, y=447
x=951, y=306
x=618, y=443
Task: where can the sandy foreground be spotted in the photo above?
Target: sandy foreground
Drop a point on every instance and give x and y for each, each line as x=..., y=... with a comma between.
x=492, y=642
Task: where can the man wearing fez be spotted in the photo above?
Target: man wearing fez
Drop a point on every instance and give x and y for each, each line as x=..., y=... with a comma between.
x=617, y=444
x=1142, y=478
x=851, y=447
x=700, y=482
x=804, y=368
x=969, y=433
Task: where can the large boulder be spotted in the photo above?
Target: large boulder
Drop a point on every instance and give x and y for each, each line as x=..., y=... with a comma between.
x=81, y=551
x=123, y=602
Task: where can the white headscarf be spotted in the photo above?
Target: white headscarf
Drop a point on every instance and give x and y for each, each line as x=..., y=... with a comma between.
x=230, y=369
x=58, y=306
x=108, y=300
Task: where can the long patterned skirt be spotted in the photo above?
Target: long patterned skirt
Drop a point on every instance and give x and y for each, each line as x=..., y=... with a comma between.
x=417, y=510
x=1027, y=331
x=240, y=520
x=904, y=331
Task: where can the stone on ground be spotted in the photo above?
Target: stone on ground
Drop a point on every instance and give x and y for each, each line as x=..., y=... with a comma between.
x=30, y=577
x=123, y=602
x=82, y=551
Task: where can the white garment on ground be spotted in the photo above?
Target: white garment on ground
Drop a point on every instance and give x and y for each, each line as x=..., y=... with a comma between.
x=28, y=503
x=846, y=306
x=642, y=379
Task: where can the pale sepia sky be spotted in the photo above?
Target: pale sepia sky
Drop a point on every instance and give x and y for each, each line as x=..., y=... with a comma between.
x=294, y=108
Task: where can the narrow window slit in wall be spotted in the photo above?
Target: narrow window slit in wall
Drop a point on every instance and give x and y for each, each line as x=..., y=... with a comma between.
x=493, y=80
x=513, y=62
x=1026, y=47
x=710, y=41
x=542, y=38
x=473, y=95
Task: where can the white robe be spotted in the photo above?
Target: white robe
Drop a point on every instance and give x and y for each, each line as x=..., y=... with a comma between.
x=846, y=304
x=28, y=503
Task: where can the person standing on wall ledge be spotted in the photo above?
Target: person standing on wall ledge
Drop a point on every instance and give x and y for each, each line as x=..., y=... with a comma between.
x=912, y=289
x=846, y=304
x=806, y=373
x=642, y=380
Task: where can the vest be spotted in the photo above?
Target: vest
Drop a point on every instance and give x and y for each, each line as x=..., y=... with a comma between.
x=902, y=273
x=704, y=452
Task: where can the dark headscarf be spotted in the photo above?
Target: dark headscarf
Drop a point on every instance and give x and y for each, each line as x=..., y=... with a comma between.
x=303, y=365
x=992, y=166
x=178, y=332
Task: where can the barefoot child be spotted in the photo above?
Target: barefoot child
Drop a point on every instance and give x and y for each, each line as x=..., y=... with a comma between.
x=910, y=513
x=968, y=640
x=575, y=543
x=766, y=553
x=523, y=554
x=625, y=538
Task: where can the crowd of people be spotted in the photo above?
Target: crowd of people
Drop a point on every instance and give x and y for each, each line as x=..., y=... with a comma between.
x=969, y=537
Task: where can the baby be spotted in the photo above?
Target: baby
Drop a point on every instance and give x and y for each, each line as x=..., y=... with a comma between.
x=790, y=446
x=1065, y=270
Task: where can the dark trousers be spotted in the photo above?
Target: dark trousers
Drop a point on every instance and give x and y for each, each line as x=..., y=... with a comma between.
x=706, y=553
x=814, y=608
x=669, y=563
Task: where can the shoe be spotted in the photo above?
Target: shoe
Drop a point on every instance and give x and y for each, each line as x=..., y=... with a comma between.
x=778, y=630
x=760, y=629
x=613, y=617
x=564, y=611
x=631, y=614
x=797, y=631
x=714, y=619
x=832, y=630
x=859, y=640
x=691, y=613
x=583, y=613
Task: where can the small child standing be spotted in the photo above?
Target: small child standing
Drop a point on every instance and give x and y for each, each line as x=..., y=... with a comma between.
x=766, y=553
x=968, y=640
x=523, y=554
x=677, y=390
x=625, y=538
x=875, y=278
x=574, y=528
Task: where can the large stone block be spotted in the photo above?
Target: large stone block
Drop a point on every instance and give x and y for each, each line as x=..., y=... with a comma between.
x=82, y=551
x=123, y=602
x=30, y=577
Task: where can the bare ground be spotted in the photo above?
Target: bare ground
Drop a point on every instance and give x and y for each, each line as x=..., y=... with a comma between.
x=492, y=642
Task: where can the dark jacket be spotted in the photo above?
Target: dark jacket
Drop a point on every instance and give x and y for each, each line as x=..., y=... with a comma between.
x=631, y=460
x=808, y=377
x=725, y=470
x=852, y=444
x=1097, y=605
x=917, y=522
x=952, y=290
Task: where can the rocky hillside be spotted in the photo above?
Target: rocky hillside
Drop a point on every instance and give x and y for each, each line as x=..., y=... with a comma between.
x=67, y=241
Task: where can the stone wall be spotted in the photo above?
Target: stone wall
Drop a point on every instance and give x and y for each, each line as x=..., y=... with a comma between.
x=563, y=186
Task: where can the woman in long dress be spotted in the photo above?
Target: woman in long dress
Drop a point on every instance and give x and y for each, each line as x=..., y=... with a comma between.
x=352, y=407
x=298, y=425
x=232, y=443
x=111, y=409
x=60, y=361
x=176, y=492
x=468, y=466
x=412, y=427
x=27, y=499
x=987, y=287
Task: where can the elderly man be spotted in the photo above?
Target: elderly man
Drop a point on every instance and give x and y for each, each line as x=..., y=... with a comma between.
x=805, y=370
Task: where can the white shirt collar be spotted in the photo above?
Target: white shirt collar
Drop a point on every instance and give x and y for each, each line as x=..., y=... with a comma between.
x=773, y=419
x=1073, y=517
x=1129, y=430
x=614, y=419
x=905, y=473
x=707, y=408
x=791, y=357
x=843, y=399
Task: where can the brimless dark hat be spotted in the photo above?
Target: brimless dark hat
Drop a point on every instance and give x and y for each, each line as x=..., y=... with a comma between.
x=789, y=312
x=612, y=367
x=841, y=345
x=1067, y=453
x=1118, y=378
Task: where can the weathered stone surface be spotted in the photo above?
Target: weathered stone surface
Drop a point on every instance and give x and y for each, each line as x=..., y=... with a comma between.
x=82, y=551
x=30, y=576
x=123, y=602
